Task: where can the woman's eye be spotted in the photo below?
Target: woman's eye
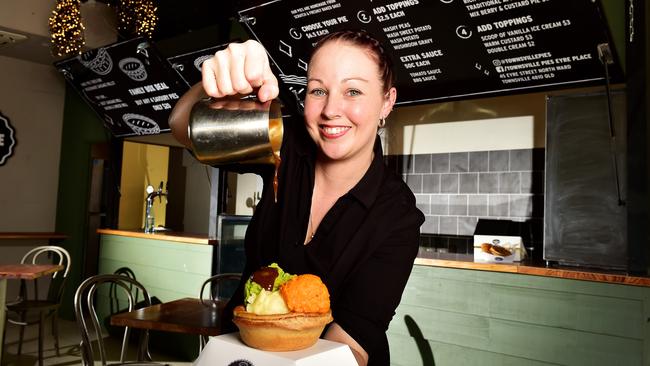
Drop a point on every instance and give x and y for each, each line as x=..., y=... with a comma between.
x=354, y=92
x=317, y=92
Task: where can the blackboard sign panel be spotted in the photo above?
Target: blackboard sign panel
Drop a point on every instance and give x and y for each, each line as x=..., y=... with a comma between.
x=129, y=84
x=448, y=49
x=188, y=65
x=584, y=221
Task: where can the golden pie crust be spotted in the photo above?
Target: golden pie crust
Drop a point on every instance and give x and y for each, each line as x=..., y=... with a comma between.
x=280, y=332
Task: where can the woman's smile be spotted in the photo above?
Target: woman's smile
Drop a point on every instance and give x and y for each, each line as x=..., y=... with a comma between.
x=332, y=132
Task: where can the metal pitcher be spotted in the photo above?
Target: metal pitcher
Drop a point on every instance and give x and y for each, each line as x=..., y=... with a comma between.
x=233, y=130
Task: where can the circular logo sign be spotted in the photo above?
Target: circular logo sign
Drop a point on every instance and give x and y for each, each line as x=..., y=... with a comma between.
x=7, y=139
x=240, y=363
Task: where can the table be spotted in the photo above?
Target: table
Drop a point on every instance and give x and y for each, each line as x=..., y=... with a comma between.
x=187, y=315
x=19, y=271
x=32, y=236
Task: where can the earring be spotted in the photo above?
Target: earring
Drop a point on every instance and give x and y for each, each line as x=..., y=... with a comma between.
x=382, y=122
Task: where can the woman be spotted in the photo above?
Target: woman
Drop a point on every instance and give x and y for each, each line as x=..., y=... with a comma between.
x=340, y=214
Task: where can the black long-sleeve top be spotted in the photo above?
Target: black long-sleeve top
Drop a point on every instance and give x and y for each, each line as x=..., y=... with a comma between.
x=363, y=249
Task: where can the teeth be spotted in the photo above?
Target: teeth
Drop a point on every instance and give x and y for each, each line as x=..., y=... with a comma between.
x=334, y=130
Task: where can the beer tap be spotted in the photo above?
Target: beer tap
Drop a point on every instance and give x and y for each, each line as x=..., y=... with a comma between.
x=149, y=221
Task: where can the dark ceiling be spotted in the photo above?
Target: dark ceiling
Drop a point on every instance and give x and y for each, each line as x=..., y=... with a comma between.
x=180, y=17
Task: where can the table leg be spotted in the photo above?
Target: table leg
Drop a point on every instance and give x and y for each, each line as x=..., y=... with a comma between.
x=3, y=298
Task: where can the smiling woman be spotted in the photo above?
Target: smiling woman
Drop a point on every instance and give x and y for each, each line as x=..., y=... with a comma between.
x=340, y=213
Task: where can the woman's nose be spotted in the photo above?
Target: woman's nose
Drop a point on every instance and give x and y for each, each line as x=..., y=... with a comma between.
x=332, y=108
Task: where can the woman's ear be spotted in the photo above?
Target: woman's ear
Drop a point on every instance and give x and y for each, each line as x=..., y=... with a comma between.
x=389, y=102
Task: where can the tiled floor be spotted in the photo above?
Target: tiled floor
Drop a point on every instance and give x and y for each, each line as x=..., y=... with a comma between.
x=69, y=347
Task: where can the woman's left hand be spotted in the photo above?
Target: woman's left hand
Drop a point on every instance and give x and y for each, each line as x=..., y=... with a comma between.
x=337, y=334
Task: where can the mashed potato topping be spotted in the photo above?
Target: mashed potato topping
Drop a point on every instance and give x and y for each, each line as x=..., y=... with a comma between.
x=267, y=303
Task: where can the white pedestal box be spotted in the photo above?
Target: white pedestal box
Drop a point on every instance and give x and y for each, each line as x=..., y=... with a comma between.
x=229, y=350
x=512, y=244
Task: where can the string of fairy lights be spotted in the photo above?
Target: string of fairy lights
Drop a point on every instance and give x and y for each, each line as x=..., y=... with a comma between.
x=66, y=28
x=135, y=17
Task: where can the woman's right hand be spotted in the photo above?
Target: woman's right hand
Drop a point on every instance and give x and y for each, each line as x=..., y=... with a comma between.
x=240, y=68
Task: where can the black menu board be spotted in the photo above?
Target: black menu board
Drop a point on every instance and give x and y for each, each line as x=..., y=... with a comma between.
x=129, y=84
x=448, y=49
x=188, y=65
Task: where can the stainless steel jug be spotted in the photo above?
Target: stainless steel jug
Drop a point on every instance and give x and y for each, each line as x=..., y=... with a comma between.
x=233, y=130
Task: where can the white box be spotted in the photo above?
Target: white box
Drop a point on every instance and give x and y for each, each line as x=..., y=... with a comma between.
x=511, y=243
x=228, y=350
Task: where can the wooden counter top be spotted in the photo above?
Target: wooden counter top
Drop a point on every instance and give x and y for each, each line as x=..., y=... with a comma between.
x=31, y=235
x=27, y=271
x=175, y=236
x=465, y=261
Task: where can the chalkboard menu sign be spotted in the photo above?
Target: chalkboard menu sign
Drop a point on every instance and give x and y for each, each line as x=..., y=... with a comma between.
x=188, y=65
x=447, y=49
x=129, y=84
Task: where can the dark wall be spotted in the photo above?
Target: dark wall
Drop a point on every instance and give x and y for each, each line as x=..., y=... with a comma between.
x=81, y=129
x=638, y=82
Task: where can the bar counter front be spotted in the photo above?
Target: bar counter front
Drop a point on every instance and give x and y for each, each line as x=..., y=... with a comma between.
x=458, y=312
x=171, y=265
x=453, y=311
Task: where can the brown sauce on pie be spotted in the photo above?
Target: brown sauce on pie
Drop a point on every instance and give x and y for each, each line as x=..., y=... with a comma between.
x=265, y=277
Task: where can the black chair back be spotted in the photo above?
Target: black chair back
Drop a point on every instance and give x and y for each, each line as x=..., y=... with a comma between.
x=114, y=298
x=221, y=286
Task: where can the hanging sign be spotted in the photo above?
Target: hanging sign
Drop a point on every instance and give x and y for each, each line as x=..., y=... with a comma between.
x=7, y=139
x=129, y=84
x=448, y=49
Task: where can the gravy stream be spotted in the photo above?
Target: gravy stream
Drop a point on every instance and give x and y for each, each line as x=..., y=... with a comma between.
x=275, y=138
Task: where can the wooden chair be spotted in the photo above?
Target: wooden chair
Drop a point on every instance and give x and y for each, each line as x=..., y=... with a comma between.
x=221, y=289
x=90, y=326
x=32, y=308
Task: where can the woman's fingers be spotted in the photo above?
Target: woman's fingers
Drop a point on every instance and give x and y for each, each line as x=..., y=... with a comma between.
x=269, y=85
x=208, y=78
x=269, y=89
x=240, y=69
x=258, y=72
x=239, y=56
x=222, y=74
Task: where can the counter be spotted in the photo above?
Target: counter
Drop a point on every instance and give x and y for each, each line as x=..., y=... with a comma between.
x=465, y=261
x=457, y=312
x=454, y=311
x=171, y=265
x=172, y=236
x=31, y=236
x=459, y=261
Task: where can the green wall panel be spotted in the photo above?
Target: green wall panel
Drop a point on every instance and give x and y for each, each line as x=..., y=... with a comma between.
x=168, y=270
x=505, y=317
x=408, y=351
x=158, y=253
